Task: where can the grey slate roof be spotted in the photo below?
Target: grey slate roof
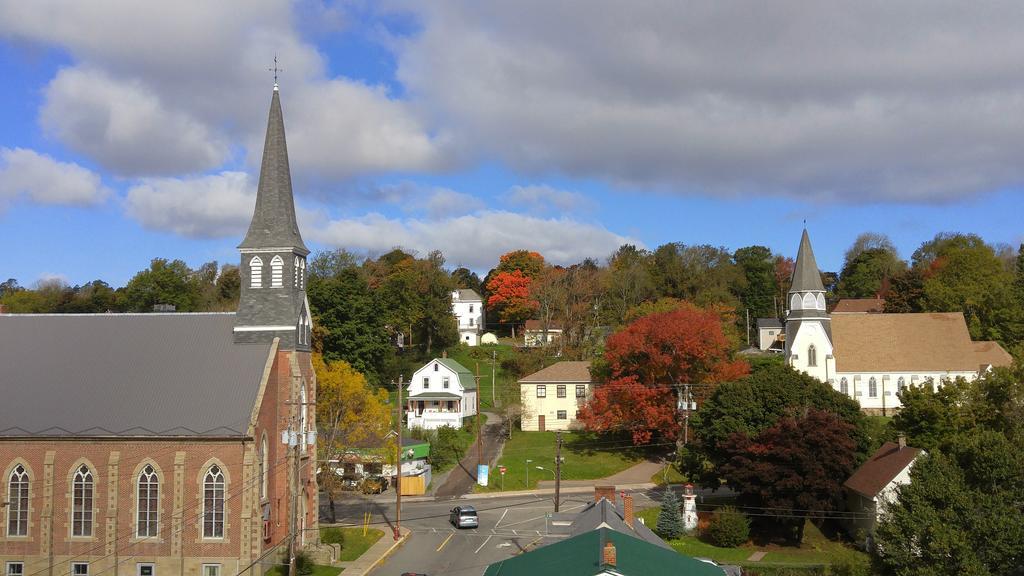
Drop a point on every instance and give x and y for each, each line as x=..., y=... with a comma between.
x=468, y=295
x=806, y=276
x=768, y=323
x=273, y=221
x=126, y=375
x=604, y=513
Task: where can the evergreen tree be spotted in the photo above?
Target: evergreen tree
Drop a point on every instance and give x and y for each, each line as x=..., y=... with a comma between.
x=670, y=520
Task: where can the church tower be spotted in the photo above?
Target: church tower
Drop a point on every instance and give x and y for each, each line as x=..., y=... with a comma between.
x=273, y=266
x=808, y=325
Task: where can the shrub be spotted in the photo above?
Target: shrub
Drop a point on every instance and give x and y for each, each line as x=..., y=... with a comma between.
x=728, y=528
x=303, y=563
x=670, y=520
x=851, y=566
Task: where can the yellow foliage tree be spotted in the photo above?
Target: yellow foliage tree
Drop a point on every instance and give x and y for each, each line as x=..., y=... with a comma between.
x=351, y=414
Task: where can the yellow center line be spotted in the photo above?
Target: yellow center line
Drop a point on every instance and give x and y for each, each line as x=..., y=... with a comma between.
x=445, y=542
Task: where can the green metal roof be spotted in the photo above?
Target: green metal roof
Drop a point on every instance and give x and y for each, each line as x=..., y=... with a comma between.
x=582, y=556
x=466, y=378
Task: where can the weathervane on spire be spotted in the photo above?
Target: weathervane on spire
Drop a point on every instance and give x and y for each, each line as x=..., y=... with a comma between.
x=275, y=70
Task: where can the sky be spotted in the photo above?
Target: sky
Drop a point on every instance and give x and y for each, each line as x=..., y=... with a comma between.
x=131, y=130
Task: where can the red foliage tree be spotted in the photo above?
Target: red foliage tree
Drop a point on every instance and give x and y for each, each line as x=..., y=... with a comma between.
x=510, y=296
x=649, y=360
x=793, y=470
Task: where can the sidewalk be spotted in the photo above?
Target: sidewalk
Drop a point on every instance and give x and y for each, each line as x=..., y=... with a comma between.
x=637, y=474
x=374, y=555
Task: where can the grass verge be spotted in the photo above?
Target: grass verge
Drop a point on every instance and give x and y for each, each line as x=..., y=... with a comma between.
x=353, y=542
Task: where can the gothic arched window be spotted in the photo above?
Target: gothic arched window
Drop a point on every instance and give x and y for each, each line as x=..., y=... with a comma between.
x=821, y=302
x=147, y=503
x=302, y=273
x=794, y=302
x=872, y=387
x=295, y=273
x=263, y=467
x=844, y=386
x=213, y=503
x=901, y=384
x=277, y=272
x=256, y=272
x=17, y=502
x=812, y=355
x=81, y=502
x=809, y=302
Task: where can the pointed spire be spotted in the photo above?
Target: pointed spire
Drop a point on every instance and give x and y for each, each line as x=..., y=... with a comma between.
x=806, y=277
x=273, y=221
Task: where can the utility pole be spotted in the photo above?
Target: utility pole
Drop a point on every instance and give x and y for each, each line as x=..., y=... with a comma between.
x=686, y=418
x=398, y=476
x=479, y=440
x=748, y=327
x=558, y=469
x=494, y=357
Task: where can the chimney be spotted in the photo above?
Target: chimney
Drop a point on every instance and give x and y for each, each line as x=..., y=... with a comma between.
x=444, y=353
x=608, y=554
x=902, y=440
x=604, y=492
x=627, y=509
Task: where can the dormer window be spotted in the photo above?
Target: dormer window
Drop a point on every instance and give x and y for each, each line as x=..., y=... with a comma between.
x=255, y=272
x=277, y=272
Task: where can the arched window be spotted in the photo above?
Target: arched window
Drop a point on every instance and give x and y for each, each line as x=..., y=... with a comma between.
x=256, y=272
x=872, y=387
x=821, y=301
x=901, y=384
x=302, y=273
x=81, y=502
x=148, y=503
x=17, y=502
x=277, y=272
x=263, y=467
x=295, y=273
x=844, y=386
x=213, y=503
x=794, y=302
x=812, y=355
x=809, y=302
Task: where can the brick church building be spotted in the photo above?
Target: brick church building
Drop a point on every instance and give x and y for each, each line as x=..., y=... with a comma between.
x=152, y=444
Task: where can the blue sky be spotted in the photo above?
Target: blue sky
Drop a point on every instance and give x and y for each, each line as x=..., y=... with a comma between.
x=133, y=130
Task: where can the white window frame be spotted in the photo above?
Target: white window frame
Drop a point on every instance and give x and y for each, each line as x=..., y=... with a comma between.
x=82, y=504
x=445, y=382
x=76, y=565
x=812, y=356
x=426, y=382
x=216, y=569
x=14, y=504
x=256, y=272
x=561, y=415
x=844, y=386
x=152, y=522
x=140, y=565
x=560, y=391
x=9, y=565
x=872, y=387
x=214, y=482
x=542, y=391
x=581, y=390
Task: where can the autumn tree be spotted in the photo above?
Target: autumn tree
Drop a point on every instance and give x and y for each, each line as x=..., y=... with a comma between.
x=350, y=413
x=627, y=283
x=793, y=470
x=649, y=361
x=509, y=297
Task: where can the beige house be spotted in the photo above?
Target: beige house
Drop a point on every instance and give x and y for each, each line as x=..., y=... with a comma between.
x=552, y=397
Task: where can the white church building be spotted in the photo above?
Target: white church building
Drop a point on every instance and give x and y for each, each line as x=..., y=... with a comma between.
x=869, y=357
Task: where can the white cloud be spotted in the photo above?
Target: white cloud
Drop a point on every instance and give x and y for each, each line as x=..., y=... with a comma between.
x=857, y=101
x=446, y=203
x=40, y=178
x=544, y=198
x=125, y=126
x=475, y=240
x=157, y=88
x=207, y=206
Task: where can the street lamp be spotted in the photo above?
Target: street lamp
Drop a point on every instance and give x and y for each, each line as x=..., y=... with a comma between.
x=528, y=473
x=547, y=470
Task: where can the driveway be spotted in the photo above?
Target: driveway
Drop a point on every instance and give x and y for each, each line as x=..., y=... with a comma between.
x=461, y=479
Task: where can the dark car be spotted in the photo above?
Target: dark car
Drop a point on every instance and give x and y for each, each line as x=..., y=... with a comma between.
x=374, y=485
x=463, y=517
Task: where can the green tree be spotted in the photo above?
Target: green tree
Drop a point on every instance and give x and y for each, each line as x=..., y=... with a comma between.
x=757, y=293
x=627, y=284
x=164, y=282
x=670, y=518
x=869, y=266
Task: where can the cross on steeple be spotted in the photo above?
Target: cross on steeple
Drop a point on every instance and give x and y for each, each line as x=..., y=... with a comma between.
x=275, y=70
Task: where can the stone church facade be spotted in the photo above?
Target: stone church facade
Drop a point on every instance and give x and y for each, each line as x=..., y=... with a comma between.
x=151, y=444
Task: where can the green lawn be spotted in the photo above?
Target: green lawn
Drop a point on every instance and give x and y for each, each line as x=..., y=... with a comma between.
x=584, y=454
x=816, y=549
x=673, y=476
x=471, y=356
x=352, y=541
x=318, y=570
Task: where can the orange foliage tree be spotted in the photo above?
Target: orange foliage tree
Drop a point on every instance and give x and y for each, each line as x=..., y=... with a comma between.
x=510, y=296
x=649, y=361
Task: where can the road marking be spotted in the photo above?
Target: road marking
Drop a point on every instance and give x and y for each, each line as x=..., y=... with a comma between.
x=502, y=518
x=516, y=533
x=482, y=545
x=445, y=542
x=535, y=518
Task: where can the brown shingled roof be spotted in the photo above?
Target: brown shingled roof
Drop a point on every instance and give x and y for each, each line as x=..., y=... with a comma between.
x=859, y=305
x=880, y=469
x=536, y=325
x=929, y=342
x=565, y=371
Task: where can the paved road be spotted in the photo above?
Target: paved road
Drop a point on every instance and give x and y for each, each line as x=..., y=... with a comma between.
x=461, y=479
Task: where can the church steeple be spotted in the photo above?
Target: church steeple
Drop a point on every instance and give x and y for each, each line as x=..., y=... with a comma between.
x=808, y=324
x=273, y=267
x=806, y=277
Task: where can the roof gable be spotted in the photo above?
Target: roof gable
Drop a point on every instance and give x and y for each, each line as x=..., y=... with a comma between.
x=564, y=371
x=127, y=375
x=464, y=376
x=879, y=470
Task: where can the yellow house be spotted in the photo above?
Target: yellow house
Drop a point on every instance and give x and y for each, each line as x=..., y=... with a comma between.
x=553, y=397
